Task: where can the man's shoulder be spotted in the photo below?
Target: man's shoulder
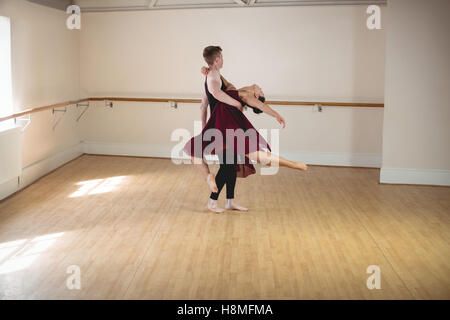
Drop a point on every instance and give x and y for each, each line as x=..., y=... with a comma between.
x=214, y=74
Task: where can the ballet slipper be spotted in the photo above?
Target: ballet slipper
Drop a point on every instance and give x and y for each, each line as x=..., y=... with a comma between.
x=212, y=206
x=234, y=206
x=211, y=181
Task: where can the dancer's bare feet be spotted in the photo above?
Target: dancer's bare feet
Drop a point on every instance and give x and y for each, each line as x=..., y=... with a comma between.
x=301, y=165
x=212, y=206
x=211, y=181
x=231, y=205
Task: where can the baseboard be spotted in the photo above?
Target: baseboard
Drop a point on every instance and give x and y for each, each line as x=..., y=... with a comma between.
x=434, y=177
x=40, y=168
x=164, y=151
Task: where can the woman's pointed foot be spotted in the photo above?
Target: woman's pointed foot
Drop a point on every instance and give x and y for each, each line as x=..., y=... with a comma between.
x=211, y=181
x=231, y=205
x=301, y=165
x=212, y=206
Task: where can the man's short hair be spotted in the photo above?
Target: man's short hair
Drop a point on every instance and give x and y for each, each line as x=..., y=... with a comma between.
x=210, y=54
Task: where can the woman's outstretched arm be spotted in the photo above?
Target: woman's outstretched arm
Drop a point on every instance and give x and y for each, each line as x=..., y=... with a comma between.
x=250, y=99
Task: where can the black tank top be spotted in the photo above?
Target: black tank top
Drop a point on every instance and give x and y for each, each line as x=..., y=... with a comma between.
x=211, y=99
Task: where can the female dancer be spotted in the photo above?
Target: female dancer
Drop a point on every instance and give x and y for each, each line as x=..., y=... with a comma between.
x=246, y=92
x=226, y=114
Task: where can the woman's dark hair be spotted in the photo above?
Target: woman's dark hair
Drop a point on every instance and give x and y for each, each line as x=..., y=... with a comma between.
x=256, y=110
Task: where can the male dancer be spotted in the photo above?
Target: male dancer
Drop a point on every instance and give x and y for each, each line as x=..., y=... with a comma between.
x=227, y=171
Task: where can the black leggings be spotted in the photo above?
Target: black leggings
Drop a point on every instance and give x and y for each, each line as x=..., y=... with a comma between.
x=225, y=175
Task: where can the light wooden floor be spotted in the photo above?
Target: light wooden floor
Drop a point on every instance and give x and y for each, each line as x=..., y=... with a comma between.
x=137, y=229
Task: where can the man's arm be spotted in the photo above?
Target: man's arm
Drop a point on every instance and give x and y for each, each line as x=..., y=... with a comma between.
x=214, y=87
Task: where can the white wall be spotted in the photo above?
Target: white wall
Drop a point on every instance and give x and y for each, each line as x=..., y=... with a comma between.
x=45, y=70
x=416, y=133
x=311, y=53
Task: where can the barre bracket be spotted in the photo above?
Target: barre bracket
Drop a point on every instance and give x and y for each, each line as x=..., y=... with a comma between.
x=173, y=104
x=82, y=105
x=28, y=121
x=108, y=103
x=58, y=110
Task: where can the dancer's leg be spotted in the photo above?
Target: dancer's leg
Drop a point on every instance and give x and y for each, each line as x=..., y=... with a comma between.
x=231, y=183
x=231, y=175
x=220, y=181
x=221, y=178
x=226, y=175
x=270, y=159
x=207, y=175
x=231, y=179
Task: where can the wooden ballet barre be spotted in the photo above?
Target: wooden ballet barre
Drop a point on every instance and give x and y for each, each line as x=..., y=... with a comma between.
x=145, y=99
x=291, y=103
x=39, y=109
x=287, y=103
x=330, y=104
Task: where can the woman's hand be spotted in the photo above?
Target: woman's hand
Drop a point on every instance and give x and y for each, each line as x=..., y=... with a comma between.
x=281, y=120
x=204, y=70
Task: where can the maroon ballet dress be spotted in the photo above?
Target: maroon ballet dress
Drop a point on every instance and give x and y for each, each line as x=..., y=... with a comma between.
x=223, y=117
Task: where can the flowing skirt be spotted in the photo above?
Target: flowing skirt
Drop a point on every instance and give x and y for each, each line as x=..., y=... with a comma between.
x=228, y=131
